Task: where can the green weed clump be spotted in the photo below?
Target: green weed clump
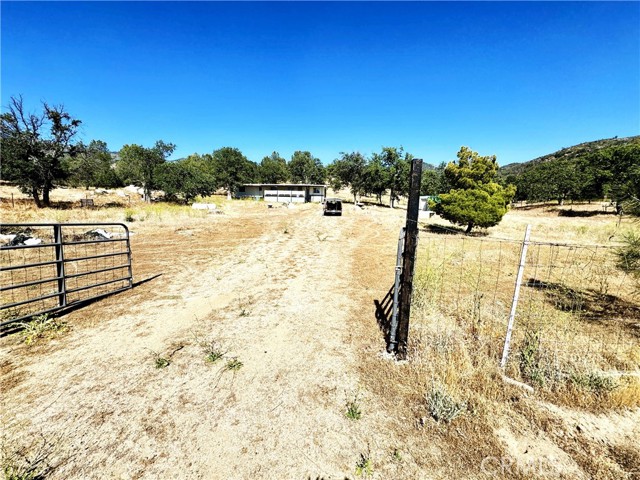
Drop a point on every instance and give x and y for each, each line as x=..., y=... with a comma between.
x=354, y=412
x=529, y=354
x=41, y=327
x=234, y=364
x=364, y=466
x=213, y=352
x=128, y=215
x=442, y=406
x=594, y=382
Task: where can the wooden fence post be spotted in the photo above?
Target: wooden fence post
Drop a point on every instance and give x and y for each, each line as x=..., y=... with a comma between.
x=409, y=257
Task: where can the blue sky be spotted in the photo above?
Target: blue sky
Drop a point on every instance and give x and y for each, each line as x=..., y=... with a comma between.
x=518, y=80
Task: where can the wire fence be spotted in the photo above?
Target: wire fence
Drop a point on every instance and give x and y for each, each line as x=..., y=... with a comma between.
x=577, y=311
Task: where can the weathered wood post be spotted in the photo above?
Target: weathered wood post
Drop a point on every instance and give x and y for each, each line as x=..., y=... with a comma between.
x=409, y=257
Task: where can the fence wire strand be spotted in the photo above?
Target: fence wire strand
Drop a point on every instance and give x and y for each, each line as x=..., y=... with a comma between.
x=577, y=311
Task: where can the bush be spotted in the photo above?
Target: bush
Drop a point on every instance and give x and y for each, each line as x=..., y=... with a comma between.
x=442, y=406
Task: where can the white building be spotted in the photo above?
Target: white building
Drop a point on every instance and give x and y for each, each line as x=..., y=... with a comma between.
x=283, y=192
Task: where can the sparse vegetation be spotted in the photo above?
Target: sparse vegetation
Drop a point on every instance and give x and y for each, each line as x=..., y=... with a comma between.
x=233, y=364
x=160, y=361
x=595, y=382
x=530, y=358
x=42, y=327
x=442, y=406
x=128, y=215
x=629, y=256
x=213, y=352
x=31, y=462
x=364, y=466
x=354, y=412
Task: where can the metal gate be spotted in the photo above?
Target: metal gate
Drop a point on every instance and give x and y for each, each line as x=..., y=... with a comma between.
x=46, y=267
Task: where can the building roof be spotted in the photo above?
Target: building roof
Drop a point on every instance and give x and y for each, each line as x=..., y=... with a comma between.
x=284, y=185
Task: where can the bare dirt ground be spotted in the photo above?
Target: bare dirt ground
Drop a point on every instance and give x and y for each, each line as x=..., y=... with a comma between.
x=276, y=289
x=289, y=294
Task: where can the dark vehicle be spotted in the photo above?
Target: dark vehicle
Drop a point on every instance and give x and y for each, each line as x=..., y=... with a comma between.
x=333, y=206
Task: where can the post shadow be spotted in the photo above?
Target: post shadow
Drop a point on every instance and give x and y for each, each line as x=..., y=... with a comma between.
x=384, y=309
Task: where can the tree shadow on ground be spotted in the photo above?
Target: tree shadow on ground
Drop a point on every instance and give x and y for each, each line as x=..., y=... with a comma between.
x=585, y=213
x=453, y=230
x=591, y=305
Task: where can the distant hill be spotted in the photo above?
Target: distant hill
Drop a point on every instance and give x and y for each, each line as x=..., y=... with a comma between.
x=569, y=153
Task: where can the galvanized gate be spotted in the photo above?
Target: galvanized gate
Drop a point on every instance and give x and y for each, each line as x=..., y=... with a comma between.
x=46, y=267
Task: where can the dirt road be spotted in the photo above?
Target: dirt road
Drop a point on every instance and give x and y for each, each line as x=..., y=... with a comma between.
x=278, y=291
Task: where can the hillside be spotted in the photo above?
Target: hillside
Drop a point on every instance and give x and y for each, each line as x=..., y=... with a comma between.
x=569, y=153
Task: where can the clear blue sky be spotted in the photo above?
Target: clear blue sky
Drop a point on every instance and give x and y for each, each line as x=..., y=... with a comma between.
x=518, y=80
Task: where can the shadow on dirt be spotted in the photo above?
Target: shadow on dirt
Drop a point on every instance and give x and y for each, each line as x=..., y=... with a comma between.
x=591, y=305
x=11, y=328
x=453, y=230
x=584, y=213
x=384, y=310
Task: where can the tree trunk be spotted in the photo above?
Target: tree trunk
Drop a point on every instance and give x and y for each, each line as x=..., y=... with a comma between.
x=469, y=227
x=147, y=194
x=354, y=199
x=36, y=197
x=45, y=197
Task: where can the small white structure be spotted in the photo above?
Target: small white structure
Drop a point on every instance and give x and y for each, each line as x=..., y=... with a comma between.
x=424, y=210
x=283, y=192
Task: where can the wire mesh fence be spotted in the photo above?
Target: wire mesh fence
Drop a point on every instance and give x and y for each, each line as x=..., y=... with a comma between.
x=577, y=310
x=45, y=267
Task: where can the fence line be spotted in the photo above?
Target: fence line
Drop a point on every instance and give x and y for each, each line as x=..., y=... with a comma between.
x=576, y=311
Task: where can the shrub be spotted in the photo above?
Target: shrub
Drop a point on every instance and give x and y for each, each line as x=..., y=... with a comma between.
x=442, y=406
x=41, y=327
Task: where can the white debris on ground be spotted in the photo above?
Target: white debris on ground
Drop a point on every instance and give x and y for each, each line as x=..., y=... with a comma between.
x=4, y=239
x=14, y=240
x=204, y=206
x=99, y=233
x=134, y=189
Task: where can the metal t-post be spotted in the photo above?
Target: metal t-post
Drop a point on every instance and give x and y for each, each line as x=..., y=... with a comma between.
x=409, y=257
x=516, y=296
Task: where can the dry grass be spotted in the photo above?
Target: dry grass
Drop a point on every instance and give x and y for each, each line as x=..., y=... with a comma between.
x=292, y=374
x=586, y=331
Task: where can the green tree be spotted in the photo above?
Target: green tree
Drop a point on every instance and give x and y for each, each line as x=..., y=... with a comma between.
x=305, y=168
x=349, y=169
x=35, y=147
x=475, y=198
x=93, y=166
x=376, y=177
x=186, y=178
x=231, y=169
x=138, y=165
x=619, y=169
x=273, y=169
x=398, y=167
x=555, y=180
x=433, y=180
